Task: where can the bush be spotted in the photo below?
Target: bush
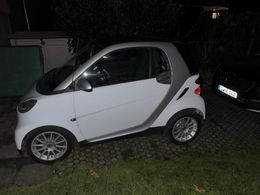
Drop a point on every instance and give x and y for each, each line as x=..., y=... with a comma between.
x=105, y=22
x=88, y=21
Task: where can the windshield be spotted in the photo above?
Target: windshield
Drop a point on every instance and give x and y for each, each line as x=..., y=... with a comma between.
x=56, y=76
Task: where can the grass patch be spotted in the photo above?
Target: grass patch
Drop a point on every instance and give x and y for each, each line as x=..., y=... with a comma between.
x=230, y=172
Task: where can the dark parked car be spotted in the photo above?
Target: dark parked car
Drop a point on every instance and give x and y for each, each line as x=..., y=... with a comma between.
x=240, y=81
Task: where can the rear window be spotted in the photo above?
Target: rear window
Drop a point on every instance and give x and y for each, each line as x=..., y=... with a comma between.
x=188, y=58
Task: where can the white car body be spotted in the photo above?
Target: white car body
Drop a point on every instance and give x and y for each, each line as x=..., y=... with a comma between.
x=113, y=110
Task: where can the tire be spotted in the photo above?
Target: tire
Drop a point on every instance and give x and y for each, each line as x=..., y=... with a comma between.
x=49, y=144
x=184, y=127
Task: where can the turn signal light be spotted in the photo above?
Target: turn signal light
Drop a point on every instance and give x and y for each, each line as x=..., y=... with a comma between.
x=197, y=91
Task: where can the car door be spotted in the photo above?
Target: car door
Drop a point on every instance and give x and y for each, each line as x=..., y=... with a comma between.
x=125, y=92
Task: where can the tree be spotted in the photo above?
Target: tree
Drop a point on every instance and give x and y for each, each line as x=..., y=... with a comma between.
x=226, y=40
x=88, y=21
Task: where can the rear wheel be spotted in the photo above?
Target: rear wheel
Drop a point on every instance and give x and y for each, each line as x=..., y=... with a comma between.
x=47, y=145
x=184, y=128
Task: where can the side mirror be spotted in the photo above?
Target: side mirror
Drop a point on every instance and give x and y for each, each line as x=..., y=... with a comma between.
x=84, y=85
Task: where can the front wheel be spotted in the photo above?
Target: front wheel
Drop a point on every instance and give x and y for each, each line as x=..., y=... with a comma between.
x=183, y=129
x=49, y=144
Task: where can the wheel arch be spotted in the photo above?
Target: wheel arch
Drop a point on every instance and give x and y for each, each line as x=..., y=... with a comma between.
x=188, y=111
x=23, y=148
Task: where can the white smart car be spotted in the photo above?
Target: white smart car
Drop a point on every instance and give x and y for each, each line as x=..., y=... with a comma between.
x=122, y=89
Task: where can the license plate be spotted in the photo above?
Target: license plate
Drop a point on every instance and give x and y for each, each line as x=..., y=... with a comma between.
x=227, y=91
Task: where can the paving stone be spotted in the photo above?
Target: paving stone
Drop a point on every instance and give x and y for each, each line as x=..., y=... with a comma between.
x=226, y=126
x=8, y=151
x=7, y=176
x=32, y=174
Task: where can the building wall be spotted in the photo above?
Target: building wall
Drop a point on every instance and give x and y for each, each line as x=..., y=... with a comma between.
x=21, y=67
x=55, y=50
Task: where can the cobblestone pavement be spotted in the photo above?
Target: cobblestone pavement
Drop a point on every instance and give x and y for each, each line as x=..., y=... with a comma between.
x=226, y=126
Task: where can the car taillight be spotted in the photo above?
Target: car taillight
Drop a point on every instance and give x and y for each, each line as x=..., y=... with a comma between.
x=197, y=91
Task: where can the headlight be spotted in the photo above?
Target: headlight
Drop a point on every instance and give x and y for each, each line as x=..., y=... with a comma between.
x=26, y=106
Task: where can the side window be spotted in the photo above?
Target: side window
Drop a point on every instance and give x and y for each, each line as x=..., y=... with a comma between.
x=120, y=66
x=159, y=63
